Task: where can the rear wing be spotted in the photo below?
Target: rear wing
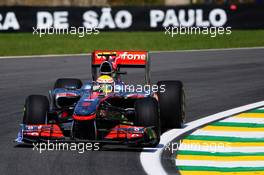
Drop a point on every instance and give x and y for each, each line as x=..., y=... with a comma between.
x=119, y=59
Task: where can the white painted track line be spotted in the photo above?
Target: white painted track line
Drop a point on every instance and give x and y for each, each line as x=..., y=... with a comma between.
x=244, y=149
x=229, y=134
x=45, y=56
x=244, y=120
x=165, y=51
x=226, y=164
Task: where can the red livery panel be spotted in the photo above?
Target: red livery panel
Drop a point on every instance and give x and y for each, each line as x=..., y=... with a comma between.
x=45, y=130
x=121, y=57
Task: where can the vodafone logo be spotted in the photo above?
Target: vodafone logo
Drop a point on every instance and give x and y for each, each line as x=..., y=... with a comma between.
x=121, y=58
x=132, y=56
x=125, y=56
x=98, y=57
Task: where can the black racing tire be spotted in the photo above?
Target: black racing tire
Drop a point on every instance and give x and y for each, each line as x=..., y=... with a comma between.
x=171, y=104
x=68, y=82
x=36, y=109
x=147, y=115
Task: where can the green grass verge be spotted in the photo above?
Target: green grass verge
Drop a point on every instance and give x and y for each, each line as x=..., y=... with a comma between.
x=29, y=44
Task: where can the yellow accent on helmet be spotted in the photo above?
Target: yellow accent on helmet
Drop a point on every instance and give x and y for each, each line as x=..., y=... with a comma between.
x=106, y=83
x=105, y=79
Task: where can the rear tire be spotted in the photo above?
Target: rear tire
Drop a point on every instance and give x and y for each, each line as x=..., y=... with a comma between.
x=171, y=104
x=147, y=115
x=36, y=109
x=68, y=82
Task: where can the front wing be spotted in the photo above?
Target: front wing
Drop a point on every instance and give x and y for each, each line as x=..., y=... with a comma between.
x=120, y=134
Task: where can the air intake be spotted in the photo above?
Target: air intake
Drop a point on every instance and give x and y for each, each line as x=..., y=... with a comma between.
x=106, y=68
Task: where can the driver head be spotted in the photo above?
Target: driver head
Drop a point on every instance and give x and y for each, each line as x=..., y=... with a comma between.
x=106, y=83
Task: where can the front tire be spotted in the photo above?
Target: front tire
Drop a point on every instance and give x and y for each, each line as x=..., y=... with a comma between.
x=36, y=109
x=171, y=104
x=147, y=115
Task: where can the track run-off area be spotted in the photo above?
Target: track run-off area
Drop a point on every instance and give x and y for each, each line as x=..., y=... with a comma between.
x=234, y=145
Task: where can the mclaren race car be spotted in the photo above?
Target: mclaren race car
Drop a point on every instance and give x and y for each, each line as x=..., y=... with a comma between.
x=105, y=109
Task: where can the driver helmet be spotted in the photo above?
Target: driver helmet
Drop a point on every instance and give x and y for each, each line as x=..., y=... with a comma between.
x=106, y=83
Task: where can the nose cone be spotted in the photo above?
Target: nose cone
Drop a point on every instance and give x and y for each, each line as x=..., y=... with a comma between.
x=87, y=107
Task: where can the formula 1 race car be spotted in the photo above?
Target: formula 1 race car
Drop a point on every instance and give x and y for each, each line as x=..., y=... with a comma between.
x=105, y=110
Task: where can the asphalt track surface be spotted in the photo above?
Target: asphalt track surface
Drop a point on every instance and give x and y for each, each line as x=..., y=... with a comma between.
x=214, y=81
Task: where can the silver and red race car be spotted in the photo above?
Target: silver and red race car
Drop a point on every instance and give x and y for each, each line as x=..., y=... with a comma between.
x=105, y=109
